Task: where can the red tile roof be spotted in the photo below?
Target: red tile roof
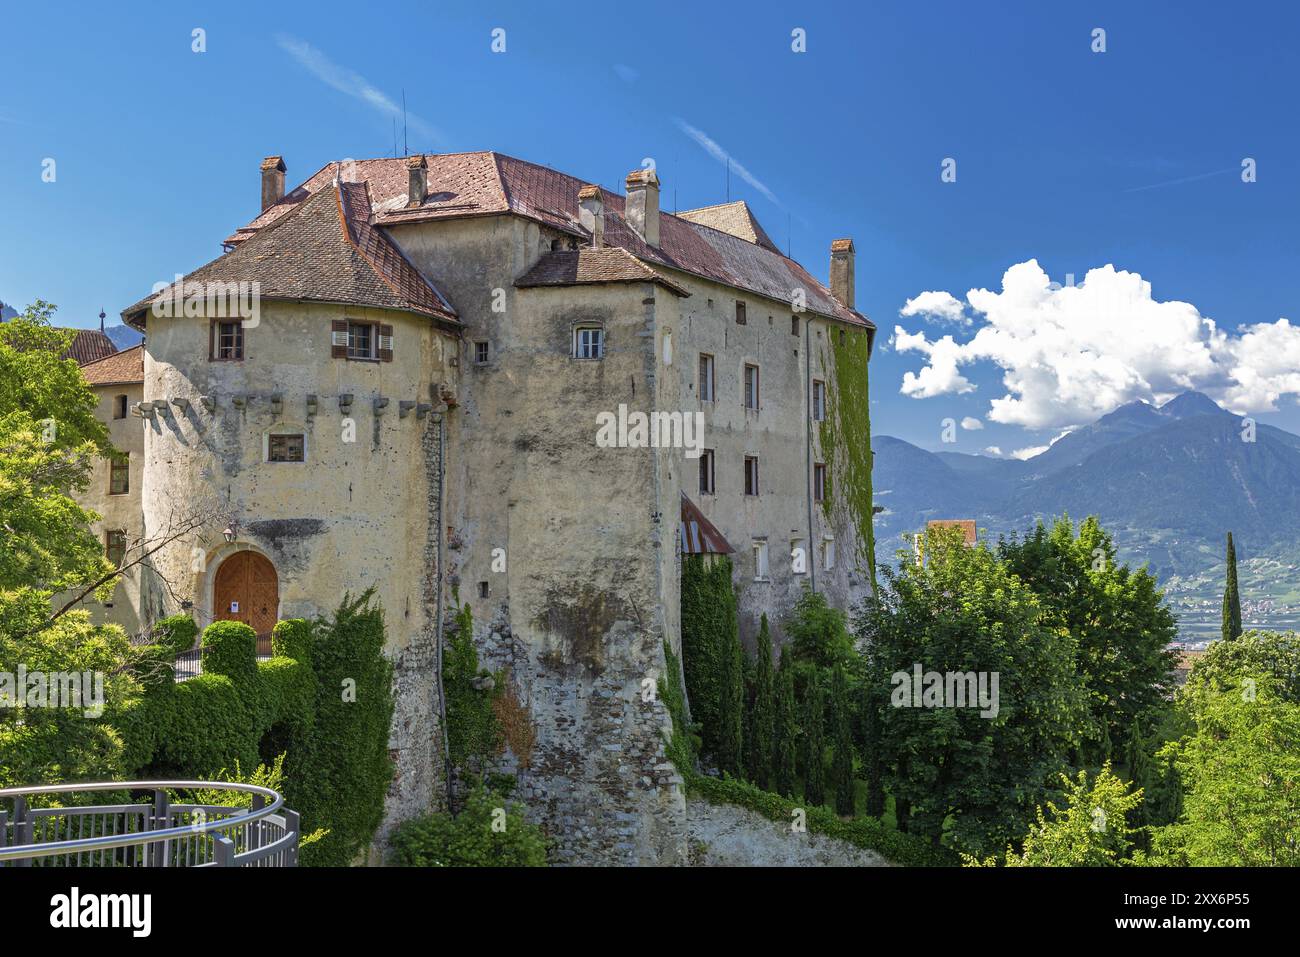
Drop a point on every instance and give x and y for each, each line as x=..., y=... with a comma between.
x=90, y=345
x=121, y=368
x=324, y=249
x=699, y=536
x=478, y=184
x=577, y=267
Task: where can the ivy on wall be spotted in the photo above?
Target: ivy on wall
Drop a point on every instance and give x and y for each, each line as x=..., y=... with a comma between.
x=845, y=435
x=712, y=657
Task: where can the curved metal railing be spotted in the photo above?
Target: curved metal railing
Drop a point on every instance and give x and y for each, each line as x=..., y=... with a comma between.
x=157, y=834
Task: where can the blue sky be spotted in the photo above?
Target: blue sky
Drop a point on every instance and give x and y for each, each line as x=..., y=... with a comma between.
x=1076, y=159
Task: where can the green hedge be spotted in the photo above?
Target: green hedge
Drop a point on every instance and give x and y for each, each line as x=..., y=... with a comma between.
x=489, y=832
x=865, y=832
x=230, y=648
x=176, y=633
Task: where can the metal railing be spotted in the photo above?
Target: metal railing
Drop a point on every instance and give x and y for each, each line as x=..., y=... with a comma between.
x=153, y=834
x=187, y=664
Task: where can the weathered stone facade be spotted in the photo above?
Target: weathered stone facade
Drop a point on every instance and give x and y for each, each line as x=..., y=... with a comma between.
x=480, y=480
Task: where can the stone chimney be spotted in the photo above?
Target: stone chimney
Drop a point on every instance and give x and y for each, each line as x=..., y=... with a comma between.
x=272, y=181
x=642, y=207
x=842, y=271
x=418, y=172
x=591, y=214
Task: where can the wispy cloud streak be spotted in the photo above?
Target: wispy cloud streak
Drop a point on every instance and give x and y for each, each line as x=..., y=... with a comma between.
x=710, y=146
x=352, y=84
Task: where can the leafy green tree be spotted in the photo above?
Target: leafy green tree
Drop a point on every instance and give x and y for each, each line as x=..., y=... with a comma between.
x=490, y=831
x=1241, y=774
x=842, y=743
x=814, y=744
x=985, y=766
x=1241, y=665
x=713, y=659
x=1091, y=830
x=819, y=634
x=1231, y=597
x=787, y=731
x=763, y=714
x=1117, y=617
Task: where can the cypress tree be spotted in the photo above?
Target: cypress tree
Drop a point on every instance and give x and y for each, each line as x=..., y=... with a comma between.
x=764, y=712
x=1231, y=597
x=731, y=735
x=814, y=744
x=842, y=742
x=787, y=731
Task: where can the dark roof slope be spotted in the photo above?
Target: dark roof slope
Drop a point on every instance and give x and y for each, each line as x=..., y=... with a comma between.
x=325, y=249
x=90, y=345
x=607, y=264
x=478, y=184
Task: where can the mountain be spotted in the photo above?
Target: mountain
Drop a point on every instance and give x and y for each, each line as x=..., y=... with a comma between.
x=1167, y=482
x=122, y=336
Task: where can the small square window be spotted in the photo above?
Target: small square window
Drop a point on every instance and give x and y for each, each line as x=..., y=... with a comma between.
x=228, y=341
x=119, y=407
x=484, y=590
x=819, y=482
x=740, y=313
x=751, y=474
x=115, y=547
x=480, y=353
x=119, y=476
x=589, y=342
x=706, y=377
x=361, y=340
x=286, y=448
x=706, y=472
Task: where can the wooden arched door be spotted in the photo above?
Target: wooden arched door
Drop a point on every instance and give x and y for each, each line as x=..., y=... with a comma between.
x=248, y=590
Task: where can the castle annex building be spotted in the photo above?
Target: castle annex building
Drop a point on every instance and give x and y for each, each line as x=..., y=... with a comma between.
x=395, y=376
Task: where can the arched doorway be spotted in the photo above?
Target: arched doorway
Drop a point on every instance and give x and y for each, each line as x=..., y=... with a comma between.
x=247, y=589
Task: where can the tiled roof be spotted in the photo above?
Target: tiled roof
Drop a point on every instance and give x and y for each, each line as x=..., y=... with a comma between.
x=966, y=525
x=698, y=535
x=323, y=250
x=608, y=264
x=734, y=218
x=121, y=368
x=89, y=345
x=478, y=184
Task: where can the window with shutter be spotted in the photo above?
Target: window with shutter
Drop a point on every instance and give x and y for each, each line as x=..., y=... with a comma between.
x=385, y=343
x=339, y=338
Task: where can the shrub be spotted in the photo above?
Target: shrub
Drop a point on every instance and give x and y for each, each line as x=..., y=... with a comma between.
x=292, y=638
x=488, y=832
x=230, y=648
x=176, y=633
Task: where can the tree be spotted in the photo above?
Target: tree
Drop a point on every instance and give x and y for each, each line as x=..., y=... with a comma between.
x=1091, y=830
x=819, y=634
x=982, y=756
x=787, y=731
x=814, y=744
x=712, y=659
x=764, y=711
x=1231, y=597
x=1116, y=615
x=842, y=743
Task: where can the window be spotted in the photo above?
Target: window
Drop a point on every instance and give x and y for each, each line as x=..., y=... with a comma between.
x=706, y=472
x=286, y=448
x=760, y=559
x=227, y=343
x=119, y=407
x=484, y=590
x=828, y=554
x=751, y=474
x=361, y=340
x=119, y=476
x=819, y=400
x=798, y=557
x=751, y=387
x=740, y=313
x=115, y=547
x=819, y=482
x=589, y=342
x=707, y=392
x=480, y=353
x=794, y=325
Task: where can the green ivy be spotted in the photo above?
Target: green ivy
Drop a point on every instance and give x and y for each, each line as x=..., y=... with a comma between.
x=488, y=832
x=474, y=733
x=712, y=657
x=846, y=440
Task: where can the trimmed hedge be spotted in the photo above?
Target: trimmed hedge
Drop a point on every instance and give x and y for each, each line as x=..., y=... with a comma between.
x=865, y=832
x=176, y=633
x=230, y=648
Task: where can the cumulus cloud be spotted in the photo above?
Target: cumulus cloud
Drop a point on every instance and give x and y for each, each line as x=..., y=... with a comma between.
x=1030, y=452
x=994, y=450
x=936, y=306
x=1071, y=354
x=970, y=423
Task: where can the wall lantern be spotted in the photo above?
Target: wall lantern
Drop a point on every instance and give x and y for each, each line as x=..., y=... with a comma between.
x=230, y=532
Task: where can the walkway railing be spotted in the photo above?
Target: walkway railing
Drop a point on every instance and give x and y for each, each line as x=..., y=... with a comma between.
x=190, y=663
x=156, y=833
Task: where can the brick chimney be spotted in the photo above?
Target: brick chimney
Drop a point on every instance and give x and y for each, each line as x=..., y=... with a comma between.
x=842, y=271
x=591, y=214
x=418, y=172
x=642, y=207
x=272, y=181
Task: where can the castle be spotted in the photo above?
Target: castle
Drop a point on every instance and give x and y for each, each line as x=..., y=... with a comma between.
x=396, y=376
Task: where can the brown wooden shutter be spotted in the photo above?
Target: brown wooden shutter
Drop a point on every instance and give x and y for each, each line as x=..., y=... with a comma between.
x=338, y=338
x=385, y=345
x=212, y=340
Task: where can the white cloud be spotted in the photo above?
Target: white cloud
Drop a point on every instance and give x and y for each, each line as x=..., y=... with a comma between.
x=353, y=84
x=722, y=156
x=1030, y=452
x=936, y=305
x=994, y=450
x=971, y=424
x=1071, y=354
